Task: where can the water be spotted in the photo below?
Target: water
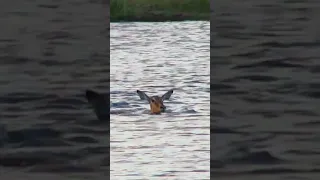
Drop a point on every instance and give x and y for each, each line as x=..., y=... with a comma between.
x=50, y=53
x=265, y=87
x=156, y=57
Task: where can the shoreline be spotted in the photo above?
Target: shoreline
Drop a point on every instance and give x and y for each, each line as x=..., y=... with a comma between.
x=159, y=11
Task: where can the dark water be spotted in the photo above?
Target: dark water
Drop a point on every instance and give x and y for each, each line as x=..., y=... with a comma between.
x=265, y=87
x=50, y=52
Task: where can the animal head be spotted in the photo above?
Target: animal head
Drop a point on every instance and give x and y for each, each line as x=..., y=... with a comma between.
x=156, y=102
x=100, y=104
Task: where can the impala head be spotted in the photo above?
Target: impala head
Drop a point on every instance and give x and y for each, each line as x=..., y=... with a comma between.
x=156, y=102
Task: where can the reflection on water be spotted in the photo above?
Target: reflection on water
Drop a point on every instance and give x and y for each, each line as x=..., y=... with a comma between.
x=265, y=84
x=155, y=57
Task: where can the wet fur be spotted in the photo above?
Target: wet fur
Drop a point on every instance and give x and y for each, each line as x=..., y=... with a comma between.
x=156, y=102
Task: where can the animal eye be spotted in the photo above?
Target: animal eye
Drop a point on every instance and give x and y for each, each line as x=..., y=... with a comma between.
x=152, y=100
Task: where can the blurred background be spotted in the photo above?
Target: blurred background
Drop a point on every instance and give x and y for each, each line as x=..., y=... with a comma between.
x=265, y=90
x=50, y=53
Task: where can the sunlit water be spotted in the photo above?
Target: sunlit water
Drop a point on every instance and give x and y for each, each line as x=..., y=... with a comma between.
x=156, y=57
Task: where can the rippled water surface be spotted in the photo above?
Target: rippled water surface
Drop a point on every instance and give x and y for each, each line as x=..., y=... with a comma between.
x=157, y=57
x=50, y=52
x=265, y=86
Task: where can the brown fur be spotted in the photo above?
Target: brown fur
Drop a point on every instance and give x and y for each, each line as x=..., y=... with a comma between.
x=156, y=102
x=155, y=105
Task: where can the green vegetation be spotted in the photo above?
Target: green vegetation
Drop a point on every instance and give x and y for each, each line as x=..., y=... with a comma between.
x=159, y=10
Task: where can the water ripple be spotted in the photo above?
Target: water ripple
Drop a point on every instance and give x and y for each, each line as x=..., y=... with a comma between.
x=265, y=87
x=48, y=60
x=157, y=57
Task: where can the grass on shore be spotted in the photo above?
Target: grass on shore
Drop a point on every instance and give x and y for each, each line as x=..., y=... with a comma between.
x=159, y=10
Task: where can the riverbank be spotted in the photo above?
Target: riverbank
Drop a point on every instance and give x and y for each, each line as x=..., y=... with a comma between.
x=156, y=10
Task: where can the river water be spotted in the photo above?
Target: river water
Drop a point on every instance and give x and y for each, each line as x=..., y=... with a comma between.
x=265, y=90
x=50, y=53
x=264, y=80
x=157, y=57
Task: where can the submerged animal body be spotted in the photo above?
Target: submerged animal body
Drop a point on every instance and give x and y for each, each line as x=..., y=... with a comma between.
x=100, y=104
x=156, y=102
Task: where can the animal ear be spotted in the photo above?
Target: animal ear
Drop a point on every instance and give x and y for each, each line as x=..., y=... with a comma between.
x=143, y=95
x=167, y=95
x=92, y=96
x=100, y=104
